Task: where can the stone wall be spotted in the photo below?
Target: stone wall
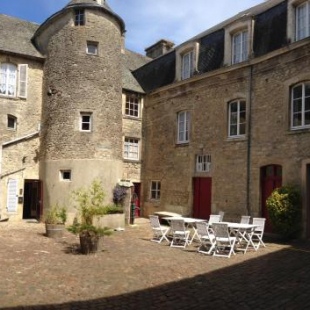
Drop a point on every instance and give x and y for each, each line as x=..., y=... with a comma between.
x=269, y=138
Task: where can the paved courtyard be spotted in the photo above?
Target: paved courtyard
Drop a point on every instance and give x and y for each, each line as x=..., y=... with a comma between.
x=37, y=272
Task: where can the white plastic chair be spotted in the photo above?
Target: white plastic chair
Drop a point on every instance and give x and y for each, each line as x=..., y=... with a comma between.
x=180, y=236
x=257, y=234
x=214, y=218
x=206, y=237
x=159, y=231
x=224, y=243
x=245, y=219
x=221, y=214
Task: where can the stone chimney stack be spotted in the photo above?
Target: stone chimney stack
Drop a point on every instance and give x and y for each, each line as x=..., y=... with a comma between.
x=159, y=48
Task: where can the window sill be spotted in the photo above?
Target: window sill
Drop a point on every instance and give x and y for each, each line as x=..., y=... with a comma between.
x=134, y=118
x=300, y=130
x=133, y=161
x=237, y=139
x=182, y=144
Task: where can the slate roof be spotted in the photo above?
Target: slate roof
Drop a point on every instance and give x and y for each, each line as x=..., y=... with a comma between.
x=270, y=34
x=131, y=61
x=15, y=36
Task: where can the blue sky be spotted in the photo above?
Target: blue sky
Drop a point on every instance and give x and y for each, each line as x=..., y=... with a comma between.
x=147, y=21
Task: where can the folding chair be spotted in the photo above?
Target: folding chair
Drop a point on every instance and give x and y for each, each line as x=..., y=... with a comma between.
x=221, y=214
x=224, y=243
x=206, y=237
x=214, y=218
x=159, y=231
x=257, y=234
x=180, y=236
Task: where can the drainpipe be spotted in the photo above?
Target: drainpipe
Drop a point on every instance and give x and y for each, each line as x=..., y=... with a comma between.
x=249, y=145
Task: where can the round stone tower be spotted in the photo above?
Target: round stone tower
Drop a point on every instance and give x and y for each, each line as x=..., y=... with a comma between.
x=81, y=129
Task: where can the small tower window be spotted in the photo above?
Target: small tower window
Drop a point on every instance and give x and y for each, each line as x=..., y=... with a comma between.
x=92, y=48
x=12, y=122
x=65, y=175
x=79, y=18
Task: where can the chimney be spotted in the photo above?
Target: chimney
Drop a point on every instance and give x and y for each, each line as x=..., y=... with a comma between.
x=159, y=48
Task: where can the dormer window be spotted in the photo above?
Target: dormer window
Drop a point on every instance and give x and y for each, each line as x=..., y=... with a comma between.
x=79, y=19
x=240, y=47
x=186, y=60
x=187, y=65
x=238, y=41
x=302, y=20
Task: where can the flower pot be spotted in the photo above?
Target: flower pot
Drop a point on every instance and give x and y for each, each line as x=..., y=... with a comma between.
x=90, y=243
x=54, y=230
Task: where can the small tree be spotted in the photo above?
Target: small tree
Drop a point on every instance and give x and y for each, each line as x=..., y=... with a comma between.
x=284, y=208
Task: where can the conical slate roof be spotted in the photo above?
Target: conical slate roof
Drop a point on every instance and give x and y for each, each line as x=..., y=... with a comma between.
x=99, y=3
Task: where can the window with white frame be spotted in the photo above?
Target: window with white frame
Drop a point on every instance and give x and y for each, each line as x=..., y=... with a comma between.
x=303, y=20
x=187, y=65
x=183, y=126
x=92, y=48
x=85, y=121
x=131, y=149
x=155, y=190
x=12, y=122
x=8, y=79
x=65, y=175
x=132, y=106
x=240, y=47
x=13, y=80
x=79, y=17
x=203, y=163
x=300, y=106
x=237, y=118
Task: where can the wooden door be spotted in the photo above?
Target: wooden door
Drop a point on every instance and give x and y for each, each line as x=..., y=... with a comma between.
x=136, y=198
x=33, y=197
x=202, y=197
x=271, y=178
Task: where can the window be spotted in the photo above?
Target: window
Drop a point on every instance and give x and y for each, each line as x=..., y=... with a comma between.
x=237, y=118
x=85, y=121
x=12, y=122
x=8, y=75
x=132, y=105
x=131, y=149
x=155, y=190
x=187, y=65
x=303, y=20
x=65, y=175
x=203, y=163
x=183, y=126
x=9, y=82
x=300, y=106
x=240, y=47
x=92, y=48
x=79, y=18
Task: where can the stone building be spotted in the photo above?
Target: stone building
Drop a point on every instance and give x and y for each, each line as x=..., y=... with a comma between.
x=214, y=124
x=71, y=109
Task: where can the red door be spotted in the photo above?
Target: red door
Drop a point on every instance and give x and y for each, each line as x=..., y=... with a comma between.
x=271, y=178
x=202, y=197
x=136, y=198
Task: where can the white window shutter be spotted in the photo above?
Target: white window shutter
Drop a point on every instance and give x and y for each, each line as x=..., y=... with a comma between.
x=22, y=80
x=12, y=195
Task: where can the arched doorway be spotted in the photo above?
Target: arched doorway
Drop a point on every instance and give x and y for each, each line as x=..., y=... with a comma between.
x=271, y=178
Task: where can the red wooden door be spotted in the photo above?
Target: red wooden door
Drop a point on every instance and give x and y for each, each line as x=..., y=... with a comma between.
x=136, y=198
x=271, y=178
x=202, y=197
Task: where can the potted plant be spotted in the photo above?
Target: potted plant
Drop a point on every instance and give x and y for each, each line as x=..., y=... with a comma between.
x=55, y=220
x=90, y=204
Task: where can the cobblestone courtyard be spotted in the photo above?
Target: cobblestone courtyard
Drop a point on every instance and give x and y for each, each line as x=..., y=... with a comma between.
x=37, y=272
